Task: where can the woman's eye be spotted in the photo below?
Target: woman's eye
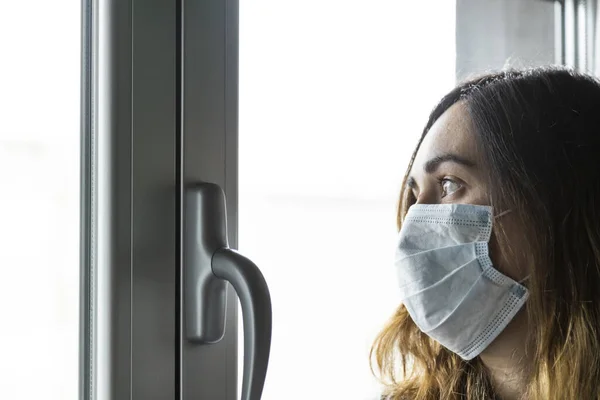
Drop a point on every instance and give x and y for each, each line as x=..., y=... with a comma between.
x=449, y=187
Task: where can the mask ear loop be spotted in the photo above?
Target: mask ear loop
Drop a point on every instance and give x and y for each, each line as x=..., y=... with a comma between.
x=524, y=279
x=502, y=213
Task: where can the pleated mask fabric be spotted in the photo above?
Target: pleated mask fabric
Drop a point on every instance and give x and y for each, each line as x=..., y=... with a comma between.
x=446, y=278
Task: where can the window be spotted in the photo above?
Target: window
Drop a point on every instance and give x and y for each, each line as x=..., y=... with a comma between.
x=332, y=96
x=331, y=108
x=39, y=206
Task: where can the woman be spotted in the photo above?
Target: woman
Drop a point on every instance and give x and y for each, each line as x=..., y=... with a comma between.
x=498, y=257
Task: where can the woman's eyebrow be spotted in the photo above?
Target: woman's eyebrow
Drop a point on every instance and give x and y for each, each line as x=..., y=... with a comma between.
x=432, y=165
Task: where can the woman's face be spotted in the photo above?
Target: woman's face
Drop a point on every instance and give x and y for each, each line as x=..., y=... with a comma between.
x=448, y=168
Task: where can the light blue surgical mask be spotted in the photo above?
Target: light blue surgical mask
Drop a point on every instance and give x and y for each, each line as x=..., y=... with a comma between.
x=447, y=281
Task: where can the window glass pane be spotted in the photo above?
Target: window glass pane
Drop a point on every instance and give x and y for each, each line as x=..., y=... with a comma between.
x=39, y=205
x=333, y=97
x=492, y=34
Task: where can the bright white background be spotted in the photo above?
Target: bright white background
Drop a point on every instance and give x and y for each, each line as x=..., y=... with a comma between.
x=39, y=199
x=333, y=97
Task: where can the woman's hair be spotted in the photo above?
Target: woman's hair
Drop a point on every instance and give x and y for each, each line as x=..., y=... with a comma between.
x=538, y=132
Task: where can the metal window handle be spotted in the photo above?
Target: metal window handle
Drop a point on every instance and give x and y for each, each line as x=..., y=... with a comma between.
x=208, y=264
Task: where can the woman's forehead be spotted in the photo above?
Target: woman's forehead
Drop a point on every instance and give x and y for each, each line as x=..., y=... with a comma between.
x=452, y=133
